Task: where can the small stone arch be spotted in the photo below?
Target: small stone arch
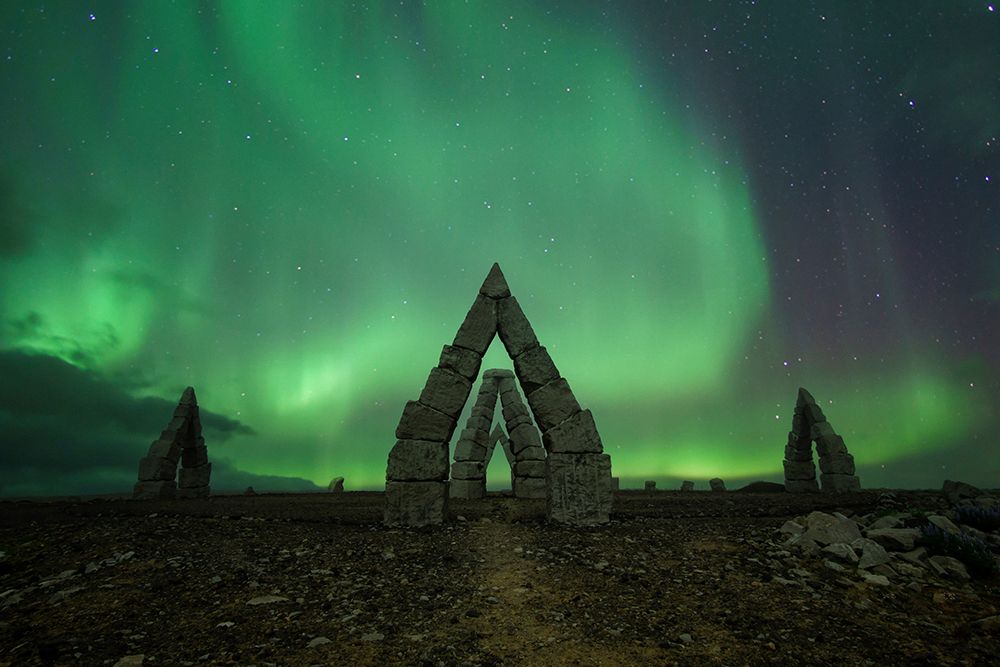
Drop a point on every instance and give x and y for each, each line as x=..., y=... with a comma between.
x=475, y=445
x=180, y=442
x=836, y=465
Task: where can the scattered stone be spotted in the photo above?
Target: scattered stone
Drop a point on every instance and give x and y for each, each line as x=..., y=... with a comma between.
x=949, y=567
x=872, y=553
x=318, y=641
x=266, y=599
x=944, y=523
x=894, y=539
x=841, y=551
x=131, y=661
x=827, y=529
x=957, y=491
x=874, y=579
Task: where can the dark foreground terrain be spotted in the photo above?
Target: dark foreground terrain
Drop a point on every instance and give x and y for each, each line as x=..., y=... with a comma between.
x=690, y=579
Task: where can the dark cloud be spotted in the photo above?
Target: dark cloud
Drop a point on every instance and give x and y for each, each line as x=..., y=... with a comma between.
x=57, y=419
x=33, y=330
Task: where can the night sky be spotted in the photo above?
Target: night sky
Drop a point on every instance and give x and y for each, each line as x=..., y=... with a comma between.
x=701, y=206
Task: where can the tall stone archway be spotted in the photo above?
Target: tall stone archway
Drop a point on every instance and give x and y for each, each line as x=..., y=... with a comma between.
x=577, y=472
x=836, y=465
x=524, y=447
x=180, y=442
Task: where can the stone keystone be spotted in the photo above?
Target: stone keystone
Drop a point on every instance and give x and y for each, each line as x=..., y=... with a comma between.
x=495, y=285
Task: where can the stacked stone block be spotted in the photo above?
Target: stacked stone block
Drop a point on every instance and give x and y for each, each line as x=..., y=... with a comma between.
x=528, y=469
x=837, y=471
x=468, y=472
x=181, y=442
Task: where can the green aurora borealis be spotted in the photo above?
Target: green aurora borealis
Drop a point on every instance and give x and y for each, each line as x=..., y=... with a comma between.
x=292, y=209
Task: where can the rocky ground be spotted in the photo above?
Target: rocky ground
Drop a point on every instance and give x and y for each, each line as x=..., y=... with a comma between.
x=677, y=578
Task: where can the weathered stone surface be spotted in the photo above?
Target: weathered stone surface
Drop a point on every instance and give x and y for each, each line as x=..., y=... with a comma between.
x=468, y=470
x=512, y=409
x=833, y=483
x=154, y=490
x=446, y=391
x=531, y=454
x=336, y=485
x=530, y=487
x=478, y=423
x=552, y=403
x=165, y=449
x=826, y=529
x=415, y=503
x=193, y=492
x=487, y=400
x=830, y=445
x=467, y=450
x=687, y=485
x=498, y=374
x=800, y=426
x=529, y=469
x=804, y=398
x=717, y=484
x=821, y=429
x=956, y=491
x=189, y=478
x=894, y=539
x=579, y=488
x=467, y=489
x=815, y=415
x=839, y=464
x=485, y=411
x=188, y=397
x=801, y=486
x=192, y=457
x=577, y=434
x=799, y=470
x=522, y=437
x=798, y=454
x=507, y=385
x=944, y=523
x=462, y=361
x=417, y=461
x=495, y=285
x=872, y=553
x=649, y=485
x=479, y=326
x=514, y=329
x=152, y=468
x=946, y=566
x=534, y=367
x=420, y=422
x=841, y=551
x=476, y=435
x=521, y=420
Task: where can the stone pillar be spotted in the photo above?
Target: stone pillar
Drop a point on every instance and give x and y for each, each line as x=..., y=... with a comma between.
x=716, y=484
x=181, y=442
x=687, y=486
x=809, y=425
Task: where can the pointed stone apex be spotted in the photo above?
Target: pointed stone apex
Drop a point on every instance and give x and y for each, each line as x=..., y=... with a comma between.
x=495, y=285
x=805, y=398
x=188, y=397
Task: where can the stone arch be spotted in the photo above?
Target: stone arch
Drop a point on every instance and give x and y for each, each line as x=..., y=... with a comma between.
x=578, y=473
x=836, y=465
x=180, y=442
x=475, y=446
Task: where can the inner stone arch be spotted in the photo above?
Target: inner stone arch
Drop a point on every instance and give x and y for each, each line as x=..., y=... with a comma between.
x=836, y=465
x=475, y=445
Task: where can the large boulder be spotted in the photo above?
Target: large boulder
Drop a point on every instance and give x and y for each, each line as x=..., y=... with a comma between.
x=825, y=529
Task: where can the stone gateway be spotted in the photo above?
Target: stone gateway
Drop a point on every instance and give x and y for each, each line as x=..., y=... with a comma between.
x=836, y=465
x=577, y=473
x=180, y=442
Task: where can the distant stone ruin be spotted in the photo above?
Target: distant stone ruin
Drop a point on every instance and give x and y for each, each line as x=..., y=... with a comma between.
x=180, y=442
x=523, y=448
x=687, y=485
x=336, y=485
x=716, y=484
x=836, y=465
x=577, y=472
